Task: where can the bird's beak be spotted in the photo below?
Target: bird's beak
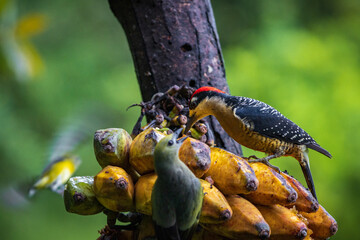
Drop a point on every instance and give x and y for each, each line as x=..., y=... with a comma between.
x=177, y=134
x=308, y=177
x=190, y=123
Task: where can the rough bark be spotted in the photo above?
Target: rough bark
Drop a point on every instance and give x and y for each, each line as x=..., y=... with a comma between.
x=174, y=42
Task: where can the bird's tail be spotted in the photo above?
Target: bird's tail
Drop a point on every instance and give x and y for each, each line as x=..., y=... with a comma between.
x=32, y=192
x=39, y=184
x=305, y=167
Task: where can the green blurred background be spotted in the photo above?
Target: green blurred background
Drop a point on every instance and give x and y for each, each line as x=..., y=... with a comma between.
x=300, y=56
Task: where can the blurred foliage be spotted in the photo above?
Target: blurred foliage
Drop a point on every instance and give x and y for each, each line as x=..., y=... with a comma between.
x=19, y=59
x=301, y=57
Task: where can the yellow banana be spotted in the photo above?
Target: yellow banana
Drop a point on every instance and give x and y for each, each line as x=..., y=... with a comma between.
x=215, y=207
x=321, y=223
x=142, y=150
x=305, y=201
x=309, y=232
x=246, y=222
x=231, y=174
x=196, y=155
x=284, y=222
x=143, y=190
x=114, y=189
x=112, y=147
x=273, y=188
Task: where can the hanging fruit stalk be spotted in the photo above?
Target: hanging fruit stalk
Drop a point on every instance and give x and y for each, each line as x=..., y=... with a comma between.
x=271, y=204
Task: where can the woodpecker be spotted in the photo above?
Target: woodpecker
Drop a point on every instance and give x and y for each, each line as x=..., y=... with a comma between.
x=255, y=125
x=177, y=195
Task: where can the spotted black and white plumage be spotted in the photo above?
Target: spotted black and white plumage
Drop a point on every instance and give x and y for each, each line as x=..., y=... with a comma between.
x=255, y=125
x=268, y=121
x=262, y=118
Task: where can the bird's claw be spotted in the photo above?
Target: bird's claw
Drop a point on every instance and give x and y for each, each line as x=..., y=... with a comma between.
x=265, y=161
x=251, y=157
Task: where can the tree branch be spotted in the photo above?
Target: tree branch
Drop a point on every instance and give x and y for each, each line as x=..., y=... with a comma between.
x=174, y=42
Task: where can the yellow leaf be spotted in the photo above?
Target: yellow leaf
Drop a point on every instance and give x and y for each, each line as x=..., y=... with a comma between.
x=30, y=25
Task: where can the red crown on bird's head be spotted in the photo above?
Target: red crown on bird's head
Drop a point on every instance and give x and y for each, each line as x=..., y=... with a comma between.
x=206, y=89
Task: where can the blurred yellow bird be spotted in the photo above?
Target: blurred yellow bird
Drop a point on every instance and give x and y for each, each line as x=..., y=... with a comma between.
x=61, y=162
x=56, y=174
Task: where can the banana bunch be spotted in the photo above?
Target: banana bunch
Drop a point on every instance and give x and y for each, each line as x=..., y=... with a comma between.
x=242, y=200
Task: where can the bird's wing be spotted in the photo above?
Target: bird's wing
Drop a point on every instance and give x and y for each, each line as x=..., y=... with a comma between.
x=80, y=126
x=75, y=129
x=52, y=164
x=269, y=122
x=164, y=215
x=192, y=217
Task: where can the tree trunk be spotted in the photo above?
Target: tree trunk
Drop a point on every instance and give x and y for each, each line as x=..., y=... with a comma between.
x=174, y=42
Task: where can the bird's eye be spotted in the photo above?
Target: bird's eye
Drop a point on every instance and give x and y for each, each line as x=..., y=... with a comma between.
x=192, y=105
x=171, y=142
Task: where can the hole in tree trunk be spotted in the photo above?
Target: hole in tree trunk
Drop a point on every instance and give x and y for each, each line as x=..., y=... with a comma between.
x=186, y=47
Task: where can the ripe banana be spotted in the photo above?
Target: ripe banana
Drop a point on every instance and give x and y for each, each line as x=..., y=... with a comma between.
x=196, y=155
x=79, y=196
x=142, y=150
x=143, y=190
x=269, y=203
x=231, y=174
x=246, y=222
x=215, y=207
x=273, y=188
x=112, y=147
x=114, y=189
x=321, y=223
x=284, y=222
x=305, y=201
